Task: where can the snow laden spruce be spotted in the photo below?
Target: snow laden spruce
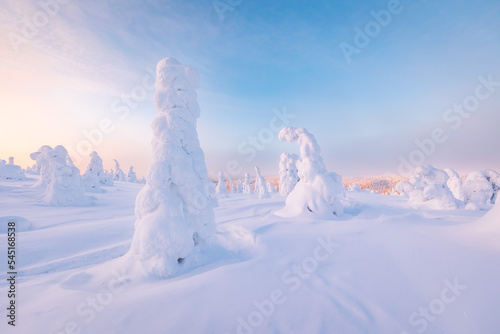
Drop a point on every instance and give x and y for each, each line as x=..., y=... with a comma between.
x=221, y=184
x=260, y=184
x=11, y=171
x=318, y=191
x=174, y=216
x=118, y=174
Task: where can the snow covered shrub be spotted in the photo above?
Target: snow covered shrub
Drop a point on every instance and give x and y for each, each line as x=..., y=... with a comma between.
x=131, y=176
x=221, y=185
x=271, y=188
x=288, y=173
x=174, y=214
x=64, y=188
x=42, y=162
x=317, y=191
x=481, y=188
x=9, y=171
x=247, y=186
x=260, y=184
x=455, y=184
x=118, y=174
x=429, y=185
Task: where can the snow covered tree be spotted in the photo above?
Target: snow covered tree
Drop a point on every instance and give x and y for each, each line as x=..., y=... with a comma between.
x=42, y=162
x=429, y=185
x=247, y=186
x=221, y=185
x=131, y=176
x=231, y=186
x=94, y=173
x=107, y=179
x=260, y=184
x=271, y=188
x=174, y=212
x=239, y=187
x=9, y=171
x=288, y=173
x=64, y=188
x=318, y=191
x=480, y=189
x=118, y=174
x=455, y=184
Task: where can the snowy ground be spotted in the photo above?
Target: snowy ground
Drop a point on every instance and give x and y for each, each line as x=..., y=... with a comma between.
x=384, y=267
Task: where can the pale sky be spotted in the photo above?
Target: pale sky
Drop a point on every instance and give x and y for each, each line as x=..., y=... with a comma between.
x=68, y=67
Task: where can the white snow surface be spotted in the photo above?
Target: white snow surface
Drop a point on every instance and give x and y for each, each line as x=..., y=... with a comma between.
x=383, y=267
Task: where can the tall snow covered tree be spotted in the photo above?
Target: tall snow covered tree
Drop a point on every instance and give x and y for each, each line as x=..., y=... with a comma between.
x=174, y=214
x=260, y=184
x=317, y=191
x=288, y=172
x=221, y=185
x=247, y=186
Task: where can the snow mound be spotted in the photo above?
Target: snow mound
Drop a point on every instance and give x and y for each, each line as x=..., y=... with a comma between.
x=174, y=210
x=428, y=186
x=318, y=191
x=455, y=184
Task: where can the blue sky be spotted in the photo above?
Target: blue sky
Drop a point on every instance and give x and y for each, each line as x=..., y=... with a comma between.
x=259, y=57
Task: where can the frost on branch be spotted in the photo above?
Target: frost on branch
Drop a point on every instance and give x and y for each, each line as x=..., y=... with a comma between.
x=317, y=191
x=174, y=210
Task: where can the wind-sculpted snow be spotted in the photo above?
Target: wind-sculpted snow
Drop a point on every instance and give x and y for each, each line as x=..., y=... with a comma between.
x=174, y=210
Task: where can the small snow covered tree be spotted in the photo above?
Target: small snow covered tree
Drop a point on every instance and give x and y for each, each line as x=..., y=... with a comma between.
x=174, y=212
x=271, y=188
x=221, y=185
x=231, y=186
x=247, y=186
x=9, y=171
x=317, y=191
x=288, y=173
x=428, y=185
x=260, y=184
x=42, y=162
x=131, y=176
x=455, y=184
x=481, y=188
x=118, y=174
x=64, y=188
x=94, y=173
x=239, y=187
